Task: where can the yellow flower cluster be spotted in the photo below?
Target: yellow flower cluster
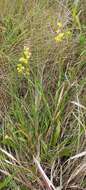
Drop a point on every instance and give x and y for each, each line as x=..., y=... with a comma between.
x=59, y=24
x=23, y=65
x=61, y=35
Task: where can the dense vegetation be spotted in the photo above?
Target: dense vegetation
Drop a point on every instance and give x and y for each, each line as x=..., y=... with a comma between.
x=42, y=94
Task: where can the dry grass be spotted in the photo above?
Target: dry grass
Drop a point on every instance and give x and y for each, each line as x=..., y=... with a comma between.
x=43, y=115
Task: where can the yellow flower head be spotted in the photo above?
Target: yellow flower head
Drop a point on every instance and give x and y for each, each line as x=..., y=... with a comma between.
x=23, y=60
x=6, y=137
x=68, y=33
x=20, y=68
x=59, y=37
x=59, y=24
x=27, y=53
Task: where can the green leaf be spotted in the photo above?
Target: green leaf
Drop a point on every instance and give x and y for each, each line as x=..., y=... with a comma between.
x=5, y=182
x=83, y=53
x=8, y=141
x=56, y=134
x=66, y=151
x=44, y=147
x=82, y=39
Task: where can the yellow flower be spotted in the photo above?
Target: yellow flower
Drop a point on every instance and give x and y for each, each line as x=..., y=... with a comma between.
x=23, y=65
x=59, y=24
x=20, y=68
x=23, y=60
x=59, y=37
x=68, y=33
x=6, y=136
x=27, y=53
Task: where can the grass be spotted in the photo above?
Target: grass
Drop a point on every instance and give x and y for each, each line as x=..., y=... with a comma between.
x=43, y=115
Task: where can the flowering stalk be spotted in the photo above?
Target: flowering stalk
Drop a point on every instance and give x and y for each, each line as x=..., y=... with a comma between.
x=23, y=65
x=61, y=35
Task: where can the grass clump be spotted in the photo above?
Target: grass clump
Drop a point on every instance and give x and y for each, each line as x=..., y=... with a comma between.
x=43, y=65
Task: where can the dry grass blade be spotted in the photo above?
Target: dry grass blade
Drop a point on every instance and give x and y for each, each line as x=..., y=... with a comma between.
x=5, y=172
x=46, y=180
x=8, y=154
x=78, y=104
x=18, y=179
x=78, y=155
x=42, y=94
x=79, y=170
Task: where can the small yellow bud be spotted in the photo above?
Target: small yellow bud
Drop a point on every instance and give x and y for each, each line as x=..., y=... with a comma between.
x=23, y=65
x=6, y=137
x=59, y=37
x=27, y=54
x=23, y=60
x=59, y=24
x=68, y=33
x=20, y=68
